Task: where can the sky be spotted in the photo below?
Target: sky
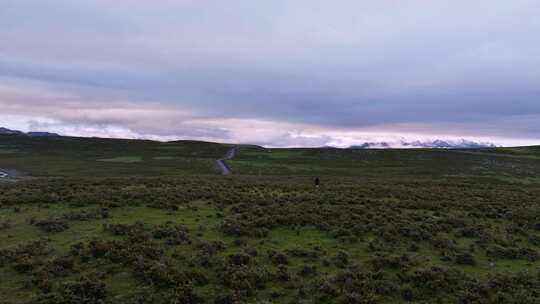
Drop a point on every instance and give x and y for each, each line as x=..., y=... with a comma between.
x=277, y=73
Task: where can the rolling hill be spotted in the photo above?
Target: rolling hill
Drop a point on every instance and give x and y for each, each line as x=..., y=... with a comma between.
x=72, y=156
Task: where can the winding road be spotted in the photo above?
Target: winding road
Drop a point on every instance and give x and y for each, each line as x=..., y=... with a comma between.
x=225, y=169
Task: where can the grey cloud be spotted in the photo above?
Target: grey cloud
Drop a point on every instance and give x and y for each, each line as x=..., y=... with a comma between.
x=285, y=139
x=347, y=65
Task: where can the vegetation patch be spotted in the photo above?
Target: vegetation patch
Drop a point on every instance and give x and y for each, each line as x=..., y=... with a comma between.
x=164, y=157
x=205, y=239
x=123, y=159
x=421, y=226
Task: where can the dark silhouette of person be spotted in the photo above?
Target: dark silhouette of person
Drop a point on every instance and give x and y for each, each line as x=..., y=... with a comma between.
x=317, y=182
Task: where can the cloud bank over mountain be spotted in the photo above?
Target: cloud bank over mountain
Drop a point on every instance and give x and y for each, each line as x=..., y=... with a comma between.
x=282, y=73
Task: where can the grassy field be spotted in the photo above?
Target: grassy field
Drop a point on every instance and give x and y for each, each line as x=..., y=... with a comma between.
x=117, y=221
x=80, y=157
x=499, y=162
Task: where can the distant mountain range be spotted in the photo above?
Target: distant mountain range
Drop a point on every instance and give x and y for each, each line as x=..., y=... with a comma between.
x=6, y=131
x=435, y=144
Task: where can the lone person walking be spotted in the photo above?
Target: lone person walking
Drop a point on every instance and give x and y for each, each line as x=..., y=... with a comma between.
x=317, y=182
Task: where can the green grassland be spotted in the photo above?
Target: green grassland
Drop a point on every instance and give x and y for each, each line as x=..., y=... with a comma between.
x=499, y=162
x=119, y=221
x=71, y=156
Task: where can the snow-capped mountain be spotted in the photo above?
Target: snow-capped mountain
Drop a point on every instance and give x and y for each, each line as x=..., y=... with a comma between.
x=435, y=144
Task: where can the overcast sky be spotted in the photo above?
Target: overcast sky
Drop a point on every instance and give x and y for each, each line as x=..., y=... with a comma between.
x=278, y=73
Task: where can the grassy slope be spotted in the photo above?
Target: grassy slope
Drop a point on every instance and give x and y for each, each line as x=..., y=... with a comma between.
x=500, y=162
x=70, y=156
x=80, y=157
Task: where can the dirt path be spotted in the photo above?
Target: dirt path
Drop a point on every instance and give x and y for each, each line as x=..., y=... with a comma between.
x=10, y=175
x=5, y=176
x=225, y=169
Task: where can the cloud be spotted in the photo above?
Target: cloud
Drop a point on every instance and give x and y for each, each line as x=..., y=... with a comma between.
x=319, y=68
x=74, y=115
